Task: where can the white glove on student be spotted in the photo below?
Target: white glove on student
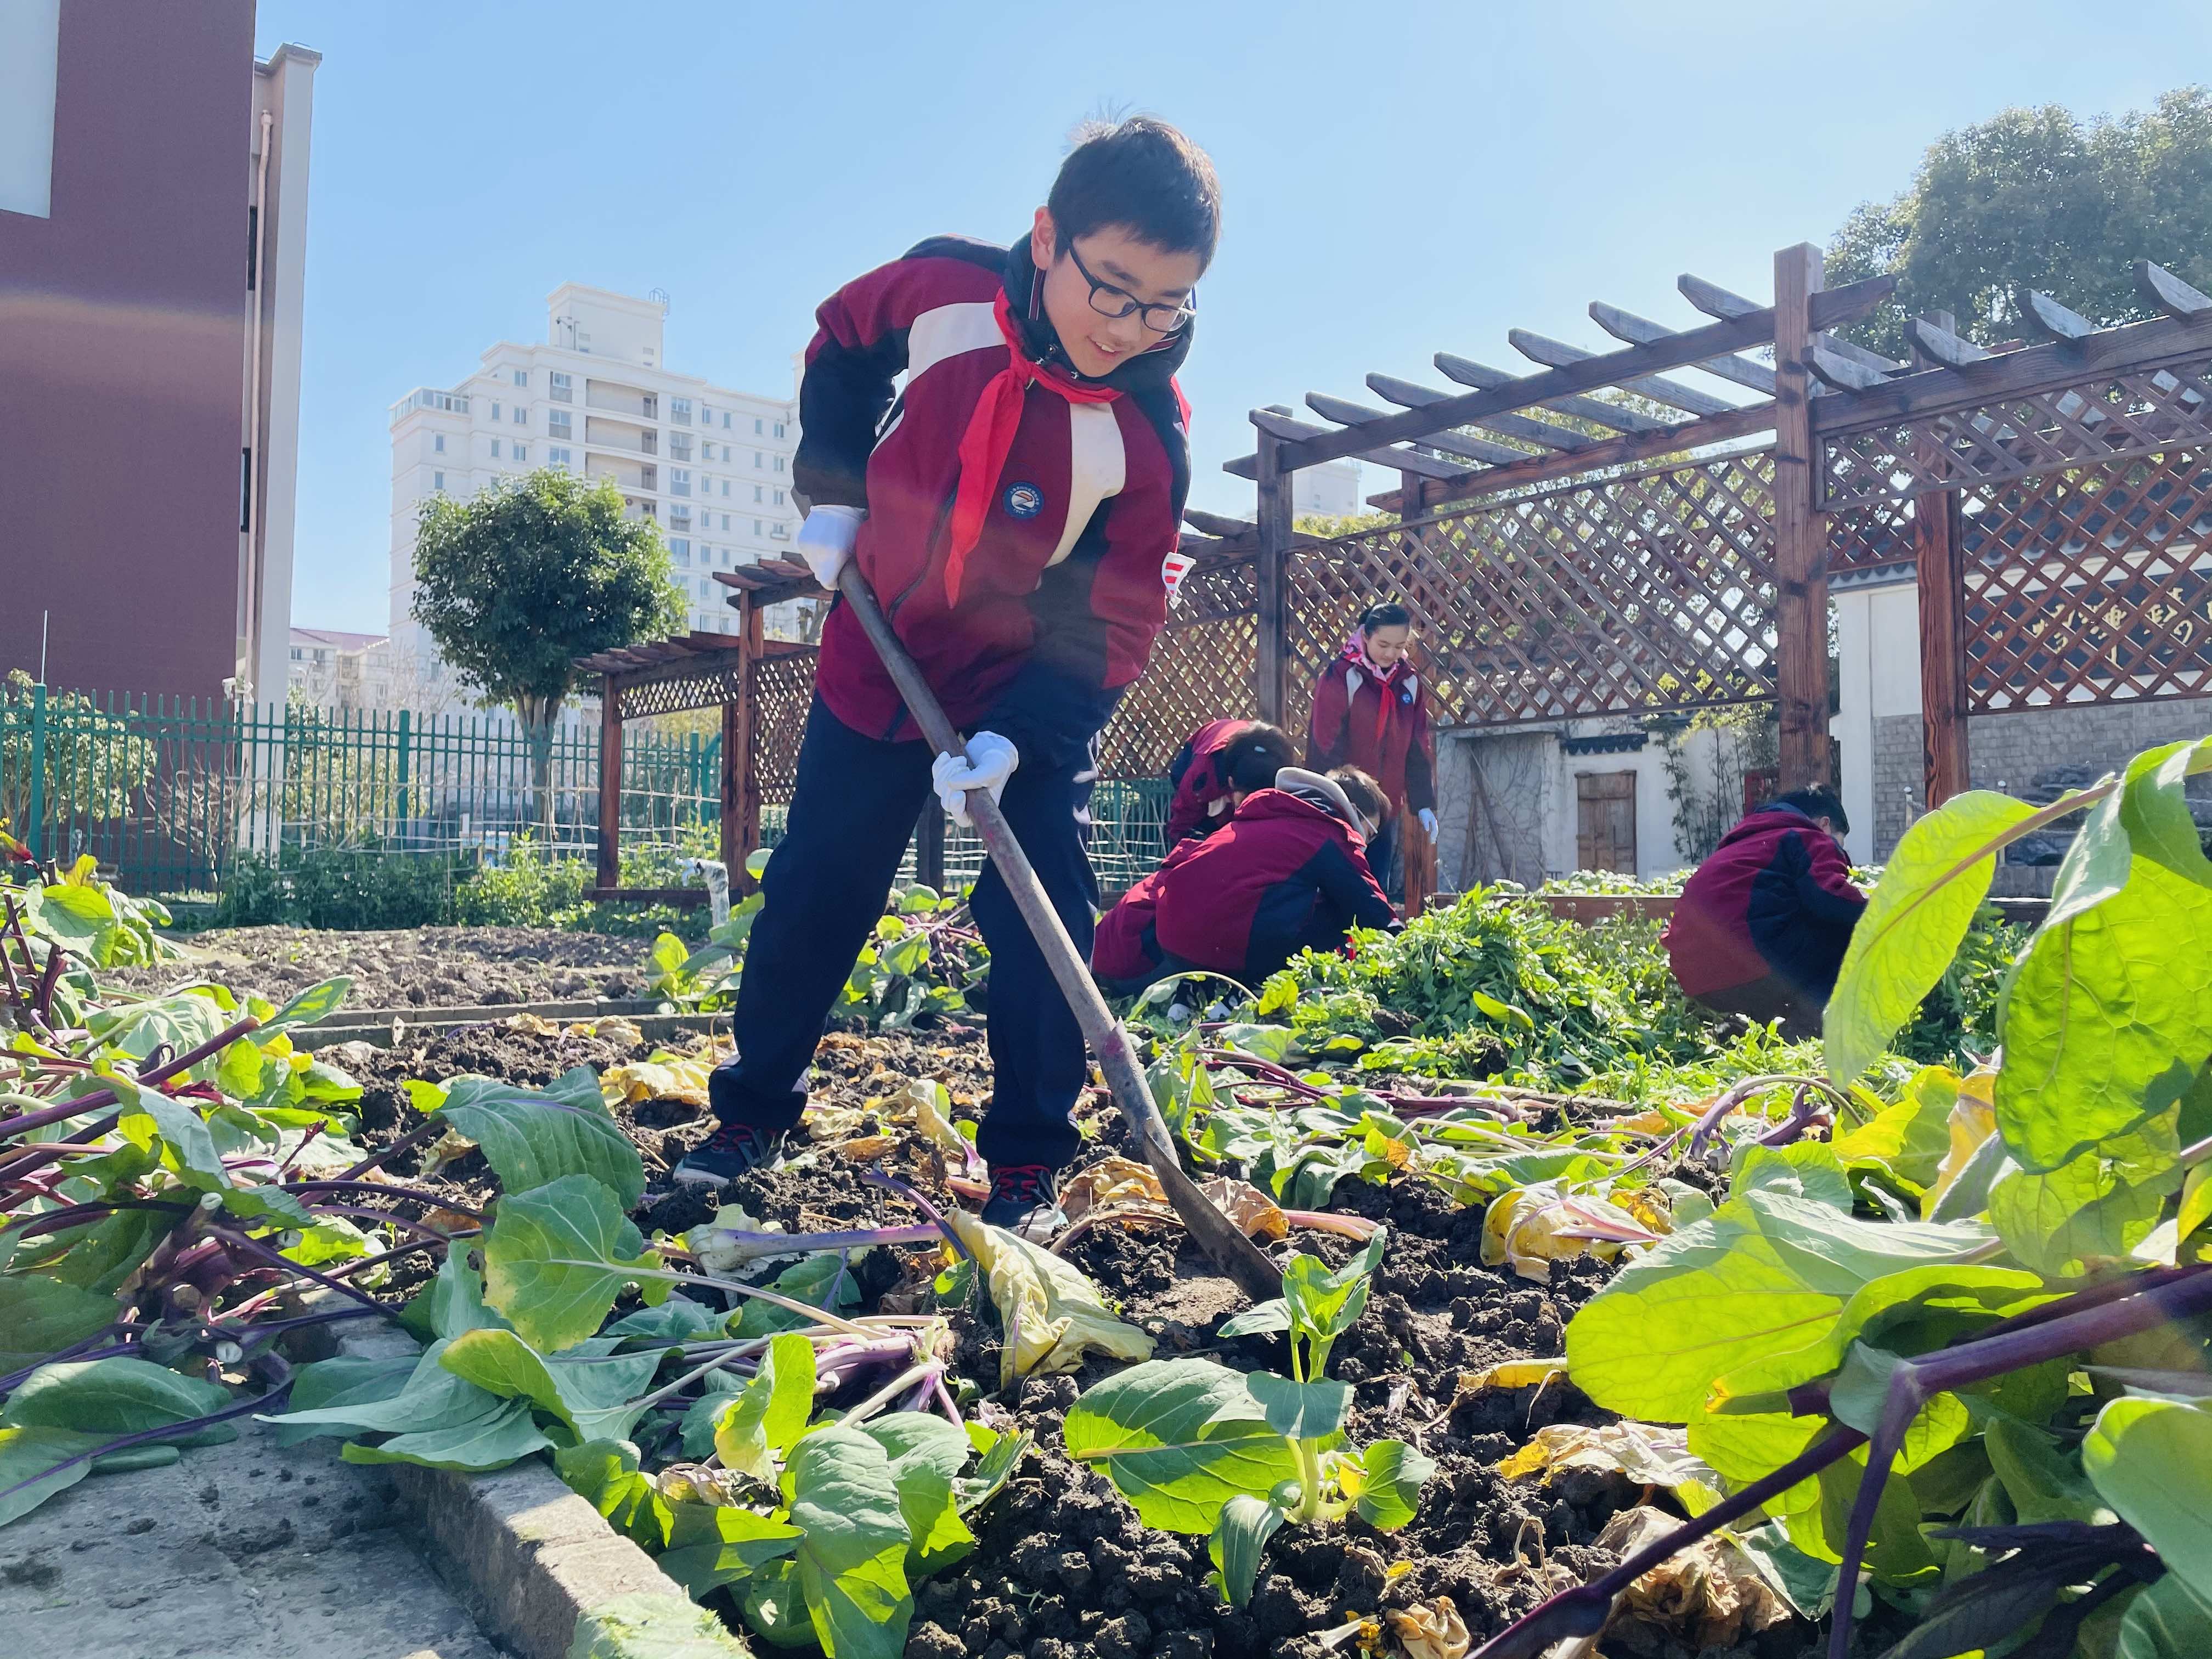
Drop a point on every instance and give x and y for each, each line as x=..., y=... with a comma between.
x=825, y=541
x=990, y=760
x=1428, y=819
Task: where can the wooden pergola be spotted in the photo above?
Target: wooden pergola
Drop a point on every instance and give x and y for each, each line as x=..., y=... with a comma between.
x=1869, y=455
x=1499, y=425
x=668, y=677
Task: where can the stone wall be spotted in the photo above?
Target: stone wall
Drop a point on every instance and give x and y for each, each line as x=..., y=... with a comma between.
x=2011, y=751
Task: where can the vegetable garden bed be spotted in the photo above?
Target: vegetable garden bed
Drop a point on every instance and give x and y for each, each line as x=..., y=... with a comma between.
x=1565, y=1265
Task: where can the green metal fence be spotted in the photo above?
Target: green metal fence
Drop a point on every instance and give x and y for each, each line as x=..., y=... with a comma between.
x=169, y=793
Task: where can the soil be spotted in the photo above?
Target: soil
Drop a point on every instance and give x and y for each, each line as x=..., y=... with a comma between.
x=1064, y=1569
x=418, y=968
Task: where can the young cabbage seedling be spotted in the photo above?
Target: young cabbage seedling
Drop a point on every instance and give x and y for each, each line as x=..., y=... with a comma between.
x=1198, y=1448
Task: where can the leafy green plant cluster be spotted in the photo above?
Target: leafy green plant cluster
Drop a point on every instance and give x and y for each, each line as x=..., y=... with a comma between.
x=1198, y=1447
x=372, y=887
x=818, y=1526
x=924, y=959
x=1960, y=1349
x=173, y=1172
x=1497, y=987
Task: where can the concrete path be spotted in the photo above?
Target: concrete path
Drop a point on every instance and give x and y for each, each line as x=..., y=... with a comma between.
x=245, y=1551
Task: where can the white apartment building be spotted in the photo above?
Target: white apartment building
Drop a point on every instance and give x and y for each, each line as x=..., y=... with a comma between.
x=1331, y=491
x=711, y=466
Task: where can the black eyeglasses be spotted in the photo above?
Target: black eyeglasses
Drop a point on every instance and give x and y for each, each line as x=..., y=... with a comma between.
x=1109, y=301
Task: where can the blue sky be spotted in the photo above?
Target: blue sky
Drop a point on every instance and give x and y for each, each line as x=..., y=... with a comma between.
x=1397, y=179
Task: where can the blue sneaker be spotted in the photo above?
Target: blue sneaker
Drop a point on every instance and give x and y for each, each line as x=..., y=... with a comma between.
x=734, y=1149
x=1025, y=1200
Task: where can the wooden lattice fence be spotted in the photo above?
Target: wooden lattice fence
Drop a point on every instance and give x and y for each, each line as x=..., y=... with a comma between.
x=1646, y=592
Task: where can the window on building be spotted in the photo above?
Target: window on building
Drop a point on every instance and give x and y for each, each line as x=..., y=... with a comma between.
x=559, y=387
x=757, y=526
x=726, y=486
x=495, y=449
x=522, y=377
x=756, y=495
x=726, y=420
x=437, y=443
x=560, y=422
x=522, y=451
x=679, y=481
x=679, y=411
x=495, y=411
x=706, y=554
x=679, y=446
x=756, y=428
x=521, y=416
x=561, y=457
x=680, y=551
x=758, y=462
x=652, y=410
x=298, y=655
x=779, y=498
x=779, y=463
x=437, y=481
x=779, y=428
x=725, y=521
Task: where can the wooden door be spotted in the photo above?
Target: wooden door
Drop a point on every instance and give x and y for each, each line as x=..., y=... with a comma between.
x=1605, y=821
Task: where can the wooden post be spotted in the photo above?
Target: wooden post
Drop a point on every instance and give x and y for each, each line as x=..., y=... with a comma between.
x=610, y=767
x=742, y=833
x=1937, y=533
x=1935, y=537
x=1801, y=609
x=1270, y=687
x=1420, y=856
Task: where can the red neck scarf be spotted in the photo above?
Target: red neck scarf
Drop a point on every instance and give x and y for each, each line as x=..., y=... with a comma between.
x=990, y=438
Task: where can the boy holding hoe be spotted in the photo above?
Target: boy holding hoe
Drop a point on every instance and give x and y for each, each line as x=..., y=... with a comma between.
x=1015, y=510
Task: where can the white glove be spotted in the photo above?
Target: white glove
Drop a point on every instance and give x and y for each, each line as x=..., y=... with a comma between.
x=1428, y=819
x=990, y=760
x=825, y=541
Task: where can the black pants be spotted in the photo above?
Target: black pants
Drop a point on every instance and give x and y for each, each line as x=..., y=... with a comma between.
x=852, y=810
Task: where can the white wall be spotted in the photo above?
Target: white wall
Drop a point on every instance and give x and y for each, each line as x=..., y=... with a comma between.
x=1878, y=676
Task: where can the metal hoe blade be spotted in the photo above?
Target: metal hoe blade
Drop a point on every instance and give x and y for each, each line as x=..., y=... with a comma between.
x=1228, y=1248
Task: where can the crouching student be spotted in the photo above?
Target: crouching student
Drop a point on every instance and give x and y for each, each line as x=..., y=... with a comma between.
x=1762, y=925
x=1214, y=779
x=1205, y=770
x=1287, y=873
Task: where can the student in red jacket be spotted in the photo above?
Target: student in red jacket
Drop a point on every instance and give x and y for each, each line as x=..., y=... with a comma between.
x=1014, y=503
x=1287, y=873
x=1763, y=924
x=1203, y=767
x=1369, y=712
x=1125, y=954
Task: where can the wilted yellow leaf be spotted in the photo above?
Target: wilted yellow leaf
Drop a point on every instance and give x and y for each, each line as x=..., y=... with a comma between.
x=1256, y=1215
x=666, y=1076
x=1430, y=1630
x=1532, y=1227
x=866, y=1148
x=1113, y=1183
x=1050, y=1311
x=1648, y=1454
x=1709, y=1595
x=1513, y=1373
x=535, y=1025
x=1973, y=1119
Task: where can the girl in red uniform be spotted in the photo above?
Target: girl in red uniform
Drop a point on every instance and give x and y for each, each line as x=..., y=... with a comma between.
x=1369, y=711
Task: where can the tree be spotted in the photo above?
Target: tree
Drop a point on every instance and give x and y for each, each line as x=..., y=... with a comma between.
x=2035, y=199
x=527, y=575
